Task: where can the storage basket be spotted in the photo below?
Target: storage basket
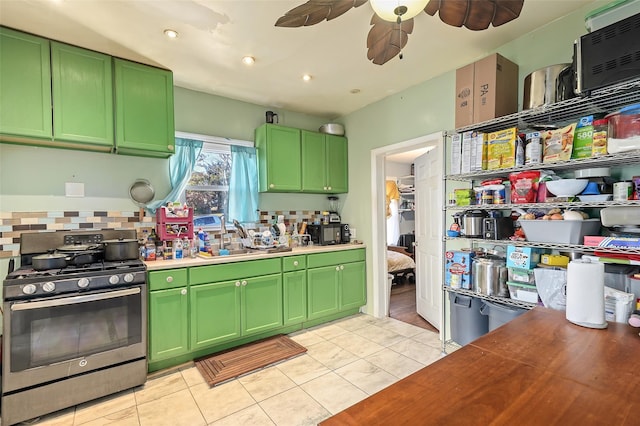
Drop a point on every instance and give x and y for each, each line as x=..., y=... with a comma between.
x=559, y=231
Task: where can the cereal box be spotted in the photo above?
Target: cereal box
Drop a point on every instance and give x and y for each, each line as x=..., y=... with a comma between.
x=501, y=149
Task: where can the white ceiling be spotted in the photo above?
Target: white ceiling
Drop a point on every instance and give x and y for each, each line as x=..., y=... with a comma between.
x=215, y=34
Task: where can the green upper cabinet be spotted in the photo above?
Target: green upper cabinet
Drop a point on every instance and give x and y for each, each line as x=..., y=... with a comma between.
x=324, y=163
x=144, y=110
x=82, y=96
x=278, y=158
x=25, y=86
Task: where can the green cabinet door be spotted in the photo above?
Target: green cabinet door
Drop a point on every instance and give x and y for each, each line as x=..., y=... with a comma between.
x=144, y=110
x=353, y=289
x=168, y=323
x=82, y=85
x=295, y=297
x=314, y=170
x=25, y=86
x=261, y=303
x=215, y=313
x=322, y=291
x=278, y=150
x=337, y=164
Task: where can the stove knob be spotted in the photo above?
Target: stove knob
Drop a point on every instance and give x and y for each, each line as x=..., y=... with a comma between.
x=128, y=278
x=113, y=279
x=83, y=282
x=29, y=289
x=48, y=287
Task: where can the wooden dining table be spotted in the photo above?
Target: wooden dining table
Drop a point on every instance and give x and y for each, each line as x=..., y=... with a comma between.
x=538, y=369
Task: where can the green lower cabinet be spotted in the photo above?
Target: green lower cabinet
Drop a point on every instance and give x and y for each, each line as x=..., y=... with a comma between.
x=168, y=323
x=295, y=297
x=261, y=303
x=353, y=288
x=215, y=313
x=322, y=291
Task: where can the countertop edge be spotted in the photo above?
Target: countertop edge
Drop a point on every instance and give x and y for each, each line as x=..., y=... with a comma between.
x=158, y=265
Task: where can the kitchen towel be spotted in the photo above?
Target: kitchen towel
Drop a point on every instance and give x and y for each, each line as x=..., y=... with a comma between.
x=585, y=294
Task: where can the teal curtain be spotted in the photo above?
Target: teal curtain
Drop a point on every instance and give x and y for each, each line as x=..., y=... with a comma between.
x=243, y=185
x=181, y=164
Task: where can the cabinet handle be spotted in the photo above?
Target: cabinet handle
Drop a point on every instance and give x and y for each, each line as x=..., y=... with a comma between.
x=169, y=279
x=295, y=263
x=341, y=267
x=183, y=291
x=324, y=187
x=329, y=188
x=271, y=185
x=337, y=268
x=170, y=147
x=244, y=282
x=237, y=283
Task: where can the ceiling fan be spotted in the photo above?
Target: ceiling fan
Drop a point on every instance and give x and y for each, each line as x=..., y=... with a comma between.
x=393, y=19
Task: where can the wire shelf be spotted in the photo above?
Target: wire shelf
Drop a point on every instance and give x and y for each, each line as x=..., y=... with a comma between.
x=550, y=246
x=501, y=300
x=564, y=205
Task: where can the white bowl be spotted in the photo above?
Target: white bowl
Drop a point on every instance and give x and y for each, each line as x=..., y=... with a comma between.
x=566, y=187
x=595, y=198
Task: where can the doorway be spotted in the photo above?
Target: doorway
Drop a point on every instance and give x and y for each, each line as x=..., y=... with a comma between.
x=427, y=290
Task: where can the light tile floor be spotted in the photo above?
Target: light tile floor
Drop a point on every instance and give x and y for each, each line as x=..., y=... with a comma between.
x=346, y=361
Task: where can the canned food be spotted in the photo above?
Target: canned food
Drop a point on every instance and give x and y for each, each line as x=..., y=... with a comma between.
x=622, y=191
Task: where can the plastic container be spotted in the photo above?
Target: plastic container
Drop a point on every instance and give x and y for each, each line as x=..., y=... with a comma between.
x=467, y=323
x=523, y=292
x=523, y=276
x=500, y=314
x=559, y=231
x=610, y=14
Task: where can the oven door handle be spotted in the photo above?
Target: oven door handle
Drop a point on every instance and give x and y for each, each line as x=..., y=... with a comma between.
x=74, y=299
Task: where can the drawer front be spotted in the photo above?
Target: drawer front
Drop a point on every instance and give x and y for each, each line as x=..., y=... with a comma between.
x=233, y=271
x=170, y=278
x=335, y=258
x=294, y=263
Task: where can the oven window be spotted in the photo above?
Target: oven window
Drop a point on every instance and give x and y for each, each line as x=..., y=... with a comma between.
x=47, y=335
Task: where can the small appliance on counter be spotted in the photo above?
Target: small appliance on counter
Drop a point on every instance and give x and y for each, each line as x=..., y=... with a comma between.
x=334, y=206
x=325, y=234
x=345, y=234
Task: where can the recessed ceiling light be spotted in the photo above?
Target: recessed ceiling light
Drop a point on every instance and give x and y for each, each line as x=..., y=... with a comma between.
x=306, y=77
x=248, y=60
x=171, y=33
x=354, y=91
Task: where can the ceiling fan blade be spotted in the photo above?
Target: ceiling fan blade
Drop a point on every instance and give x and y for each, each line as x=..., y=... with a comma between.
x=315, y=11
x=454, y=12
x=479, y=15
x=386, y=39
x=507, y=10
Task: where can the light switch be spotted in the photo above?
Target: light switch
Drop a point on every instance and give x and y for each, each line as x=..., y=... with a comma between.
x=74, y=189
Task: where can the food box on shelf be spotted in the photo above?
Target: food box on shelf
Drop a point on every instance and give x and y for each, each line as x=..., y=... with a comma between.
x=458, y=269
x=495, y=88
x=611, y=242
x=519, y=275
x=522, y=257
x=559, y=231
x=501, y=149
x=523, y=292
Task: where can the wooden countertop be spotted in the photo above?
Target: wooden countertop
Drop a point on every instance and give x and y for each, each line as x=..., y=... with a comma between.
x=538, y=369
x=156, y=265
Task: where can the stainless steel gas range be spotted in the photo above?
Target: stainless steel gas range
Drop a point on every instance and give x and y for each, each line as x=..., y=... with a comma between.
x=72, y=333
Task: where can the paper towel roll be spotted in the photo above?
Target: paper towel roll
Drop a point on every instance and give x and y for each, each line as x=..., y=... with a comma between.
x=585, y=294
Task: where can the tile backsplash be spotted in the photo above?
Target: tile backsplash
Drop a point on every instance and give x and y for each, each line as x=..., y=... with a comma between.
x=12, y=224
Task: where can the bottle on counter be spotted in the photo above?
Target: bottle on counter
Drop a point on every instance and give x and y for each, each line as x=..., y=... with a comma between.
x=177, y=249
x=201, y=240
x=150, y=250
x=160, y=250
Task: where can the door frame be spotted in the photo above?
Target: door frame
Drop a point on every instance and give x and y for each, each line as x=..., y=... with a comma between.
x=378, y=210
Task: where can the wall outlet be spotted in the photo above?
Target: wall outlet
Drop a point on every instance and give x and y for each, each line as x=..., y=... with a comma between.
x=353, y=233
x=74, y=189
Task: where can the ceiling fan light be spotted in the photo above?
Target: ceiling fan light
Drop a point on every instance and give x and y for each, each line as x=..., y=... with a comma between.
x=388, y=9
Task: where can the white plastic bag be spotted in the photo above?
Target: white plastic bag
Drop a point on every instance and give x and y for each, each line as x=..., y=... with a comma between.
x=552, y=287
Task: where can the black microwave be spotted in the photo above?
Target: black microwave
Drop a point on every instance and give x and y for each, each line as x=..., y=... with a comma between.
x=325, y=235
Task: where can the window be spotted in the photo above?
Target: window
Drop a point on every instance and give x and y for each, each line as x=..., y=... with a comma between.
x=208, y=188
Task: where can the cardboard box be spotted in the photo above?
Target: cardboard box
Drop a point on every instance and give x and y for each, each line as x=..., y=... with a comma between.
x=495, y=88
x=458, y=269
x=464, y=96
x=501, y=149
x=522, y=257
x=456, y=154
x=466, y=152
x=478, y=151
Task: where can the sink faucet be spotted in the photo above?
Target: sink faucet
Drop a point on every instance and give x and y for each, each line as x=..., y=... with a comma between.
x=223, y=230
